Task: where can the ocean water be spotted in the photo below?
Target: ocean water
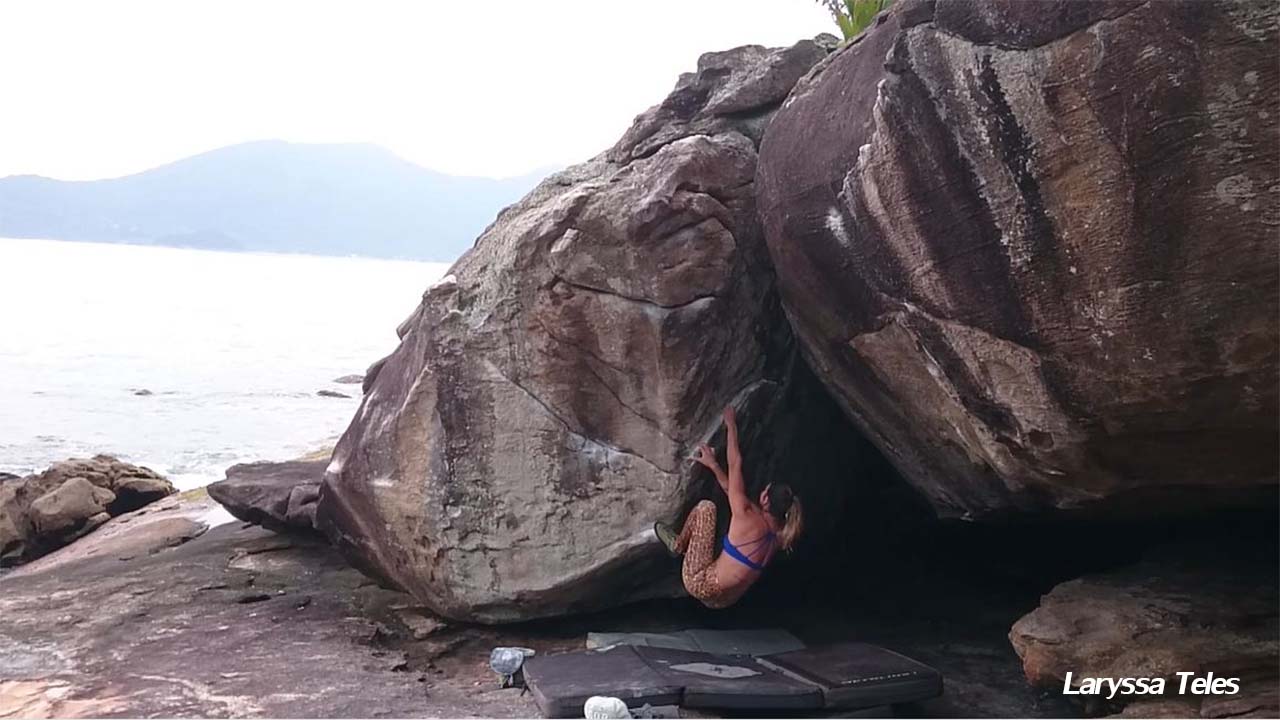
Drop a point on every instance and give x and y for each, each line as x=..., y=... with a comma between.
x=231, y=349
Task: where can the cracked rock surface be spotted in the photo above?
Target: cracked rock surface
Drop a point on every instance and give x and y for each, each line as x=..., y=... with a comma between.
x=1031, y=248
x=509, y=458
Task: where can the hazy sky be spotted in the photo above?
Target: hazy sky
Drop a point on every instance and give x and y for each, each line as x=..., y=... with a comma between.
x=98, y=89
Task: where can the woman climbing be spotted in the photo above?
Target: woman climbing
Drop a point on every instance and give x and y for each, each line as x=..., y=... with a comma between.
x=756, y=530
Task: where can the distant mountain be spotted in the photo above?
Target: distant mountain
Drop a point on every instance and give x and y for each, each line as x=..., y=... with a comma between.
x=269, y=196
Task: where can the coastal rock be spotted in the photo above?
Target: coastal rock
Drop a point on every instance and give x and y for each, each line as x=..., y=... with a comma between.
x=1030, y=248
x=134, y=486
x=332, y=394
x=13, y=533
x=68, y=507
x=349, y=380
x=1182, y=610
x=509, y=458
x=147, y=617
x=278, y=496
x=42, y=512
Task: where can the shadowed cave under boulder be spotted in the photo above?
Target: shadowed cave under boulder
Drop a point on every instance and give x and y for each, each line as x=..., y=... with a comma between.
x=883, y=568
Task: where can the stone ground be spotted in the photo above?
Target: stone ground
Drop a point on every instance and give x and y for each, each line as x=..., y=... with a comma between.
x=155, y=615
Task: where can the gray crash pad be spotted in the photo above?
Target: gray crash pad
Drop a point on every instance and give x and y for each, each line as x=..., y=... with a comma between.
x=562, y=683
x=734, y=682
x=857, y=675
x=844, y=676
x=767, y=641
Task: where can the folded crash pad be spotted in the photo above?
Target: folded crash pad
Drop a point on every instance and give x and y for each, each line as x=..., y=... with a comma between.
x=844, y=676
x=854, y=675
x=562, y=683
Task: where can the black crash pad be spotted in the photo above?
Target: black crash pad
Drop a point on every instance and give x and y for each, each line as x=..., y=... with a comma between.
x=856, y=675
x=843, y=676
x=562, y=683
x=735, y=682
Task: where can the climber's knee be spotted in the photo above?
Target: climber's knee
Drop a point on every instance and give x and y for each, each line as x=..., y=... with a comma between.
x=704, y=508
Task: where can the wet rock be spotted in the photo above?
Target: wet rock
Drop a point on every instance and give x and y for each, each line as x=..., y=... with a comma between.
x=1195, y=610
x=349, y=380
x=332, y=394
x=1030, y=248
x=510, y=457
x=42, y=512
x=278, y=496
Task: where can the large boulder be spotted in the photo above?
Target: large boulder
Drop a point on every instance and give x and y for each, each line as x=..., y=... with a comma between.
x=279, y=496
x=509, y=458
x=1184, y=609
x=42, y=512
x=1031, y=248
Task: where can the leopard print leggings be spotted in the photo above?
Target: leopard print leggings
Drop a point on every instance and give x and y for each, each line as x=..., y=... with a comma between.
x=697, y=540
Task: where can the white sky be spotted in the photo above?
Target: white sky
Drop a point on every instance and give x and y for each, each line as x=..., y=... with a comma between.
x=92, y=89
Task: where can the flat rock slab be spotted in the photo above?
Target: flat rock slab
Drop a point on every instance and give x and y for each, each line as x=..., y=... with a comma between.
x=279, y=496
x=165, y=613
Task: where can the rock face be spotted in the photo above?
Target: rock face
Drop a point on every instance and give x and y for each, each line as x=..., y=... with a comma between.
x=1177, y=612
x=168, y=612
x=278, y=496
x=41, y=513
x=1031, y=248
x=510, y=456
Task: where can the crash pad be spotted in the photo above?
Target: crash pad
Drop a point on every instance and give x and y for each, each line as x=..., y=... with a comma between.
x=854, y=675
x=766, y=641
x=562, y=683
x=841, y=676
x=735, y=682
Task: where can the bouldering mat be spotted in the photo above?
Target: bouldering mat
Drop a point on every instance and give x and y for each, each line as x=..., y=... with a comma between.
x=562, y=683
x=725, y=642
x=842, y=676
x=854, y=675
x=735, y=682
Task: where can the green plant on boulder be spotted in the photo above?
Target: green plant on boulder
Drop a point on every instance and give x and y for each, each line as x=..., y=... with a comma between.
x=854, y=16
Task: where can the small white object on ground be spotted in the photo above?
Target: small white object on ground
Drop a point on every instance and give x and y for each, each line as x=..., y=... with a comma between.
x=600, y=707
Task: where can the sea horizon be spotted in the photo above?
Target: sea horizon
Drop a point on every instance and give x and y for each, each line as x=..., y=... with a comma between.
x=188, y=360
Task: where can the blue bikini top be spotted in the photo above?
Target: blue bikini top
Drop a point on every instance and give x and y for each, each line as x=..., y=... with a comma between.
x=764, y=542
